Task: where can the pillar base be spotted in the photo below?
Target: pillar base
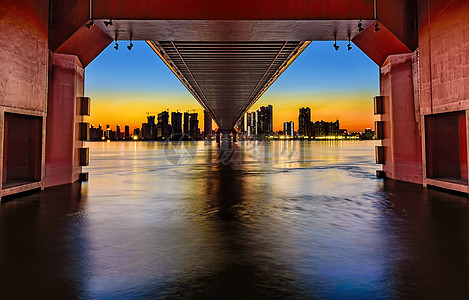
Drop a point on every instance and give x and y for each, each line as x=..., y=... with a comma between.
x=83, y=177
x=380, y=174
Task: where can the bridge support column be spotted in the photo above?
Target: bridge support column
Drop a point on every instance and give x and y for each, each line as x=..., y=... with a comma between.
x=226, y=135
x=63, y=147
x=401, y=119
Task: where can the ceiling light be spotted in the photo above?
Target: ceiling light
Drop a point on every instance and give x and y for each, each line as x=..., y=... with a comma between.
x=116, y=46
x=336, y=47
x=377, y=27
x=90, y=24
x=108, y=23
x=130, y=46
x=360, y=25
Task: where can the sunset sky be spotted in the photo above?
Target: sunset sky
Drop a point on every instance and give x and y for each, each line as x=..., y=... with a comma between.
x=124, y=85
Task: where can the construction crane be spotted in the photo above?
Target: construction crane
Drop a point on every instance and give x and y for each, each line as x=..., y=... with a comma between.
x=196, y=110
x=155, y=112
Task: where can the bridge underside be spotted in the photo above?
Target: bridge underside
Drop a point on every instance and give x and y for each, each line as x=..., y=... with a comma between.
x=228, y=64
x=227, y=77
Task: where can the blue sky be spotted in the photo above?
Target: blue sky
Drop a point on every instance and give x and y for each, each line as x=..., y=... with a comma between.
x=331, y=82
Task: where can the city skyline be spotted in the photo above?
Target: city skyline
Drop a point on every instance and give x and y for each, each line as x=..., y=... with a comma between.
x=242, y=122
x=256, y=124
x=124, y=85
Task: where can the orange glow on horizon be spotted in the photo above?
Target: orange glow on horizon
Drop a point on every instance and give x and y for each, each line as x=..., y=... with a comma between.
x=354, y=110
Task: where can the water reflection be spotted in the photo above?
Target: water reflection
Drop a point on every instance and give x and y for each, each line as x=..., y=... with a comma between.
x=429, y=241
x=311, y=222
x=44, y=245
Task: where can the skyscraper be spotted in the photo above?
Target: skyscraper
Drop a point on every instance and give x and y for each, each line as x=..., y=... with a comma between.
x=118, y=132
x=207, y=125
x=329, y=129
x=186, y=123
x=107, y=133
x=137, y=133
x=176, y=122
x=127, y=132
x=265, y=120
x=151, y=128
x=269, y=119
x=289, y=128
x=253, y=123
x=145, y=131
x=249, y=123
x=163, y=125
x=304, y=122
x=256, y=122
x=96, y=134
x=193, y=125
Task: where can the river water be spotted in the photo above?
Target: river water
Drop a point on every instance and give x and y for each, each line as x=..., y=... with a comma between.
x=280, y=219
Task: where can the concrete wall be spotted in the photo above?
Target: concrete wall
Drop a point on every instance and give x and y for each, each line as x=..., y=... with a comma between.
x=438, y=74
x=24, y=54
x=444, y=84
x=33, y=80
x=444, y=56
x=62, y=144
x=24, y=61
x=402, y=140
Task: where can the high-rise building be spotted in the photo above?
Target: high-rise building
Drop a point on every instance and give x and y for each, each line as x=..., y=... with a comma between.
x=186, y=123
x=260, y=120
x=119, y=133
x=249, y=123
x=326, y=129
x=144, y=131
x=127, y=132
x=107, y=134
x=256, y=122
x=320, y=129
x=162, y=127
x=368, y=135
x=96, y=134
x=264, y=120
x=151, y=128
x=137, y=133
x=207, y=125
x=253, y=123
x=334, y=128
x=269, y=120
x=193, y=125
x=289, y=128
x=304, y=122
x=176, y=122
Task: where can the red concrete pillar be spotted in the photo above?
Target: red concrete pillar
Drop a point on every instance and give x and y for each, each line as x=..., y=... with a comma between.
x=66, y=85
x=402, y=136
